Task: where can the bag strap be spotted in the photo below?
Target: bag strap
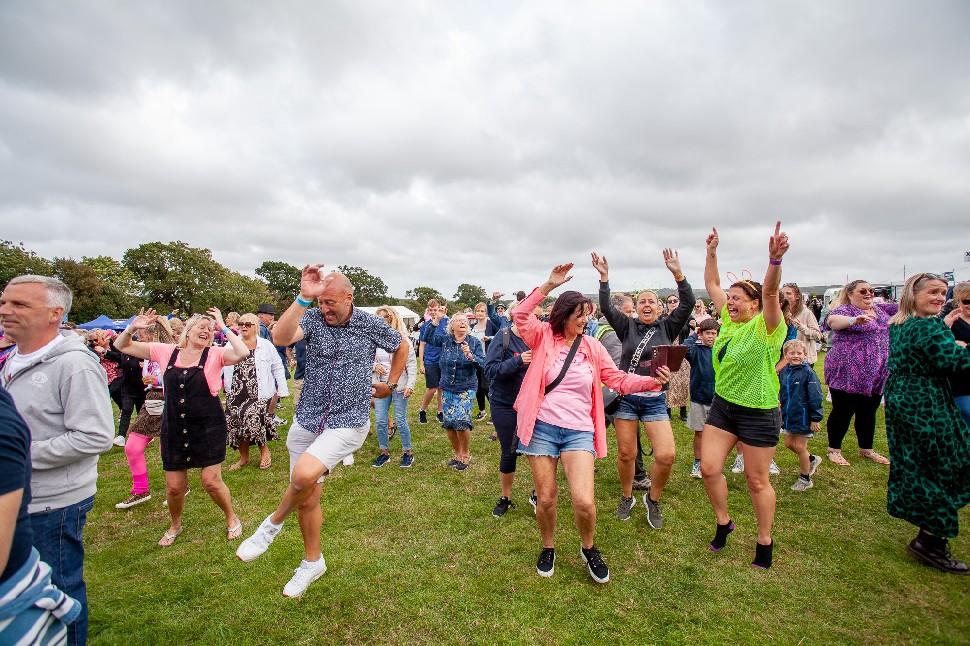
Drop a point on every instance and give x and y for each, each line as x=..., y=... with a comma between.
x=506, y=335
x=565, y=365
x=635, y=360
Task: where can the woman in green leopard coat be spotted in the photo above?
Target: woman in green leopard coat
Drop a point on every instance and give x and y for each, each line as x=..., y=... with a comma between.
x=929, y=441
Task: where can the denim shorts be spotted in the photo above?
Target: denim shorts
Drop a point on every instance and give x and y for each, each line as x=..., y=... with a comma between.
x=551, y=440
x=758, y=427
x=645, y=409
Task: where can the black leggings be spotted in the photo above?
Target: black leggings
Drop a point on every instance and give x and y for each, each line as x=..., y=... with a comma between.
x=129, y=404
x=844, y=406
x=482, y=393
x=504, y=418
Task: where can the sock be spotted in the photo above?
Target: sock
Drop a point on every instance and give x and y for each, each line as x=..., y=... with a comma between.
x=139, y=483
x=269, y=521
x=805, y=476
x=762, y=555
x=720, y=536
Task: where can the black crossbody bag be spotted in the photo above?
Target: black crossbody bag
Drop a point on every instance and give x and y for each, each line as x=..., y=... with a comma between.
x=565, y=366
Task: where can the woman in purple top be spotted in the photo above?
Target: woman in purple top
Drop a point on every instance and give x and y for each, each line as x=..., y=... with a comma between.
x=856, y=367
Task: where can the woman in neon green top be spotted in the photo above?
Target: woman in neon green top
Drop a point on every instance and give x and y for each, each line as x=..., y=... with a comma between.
x=745, y=407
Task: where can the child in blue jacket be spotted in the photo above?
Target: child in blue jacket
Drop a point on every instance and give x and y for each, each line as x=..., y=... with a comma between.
x=701, y=383
x=801, y=409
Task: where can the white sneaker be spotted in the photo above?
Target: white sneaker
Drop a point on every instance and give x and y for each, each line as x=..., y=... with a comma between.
x=303, y=576
x=251, y=548
x=773, y=469
x=187, y=492
x=119, y=441
x=349, y=460
x=738, y=465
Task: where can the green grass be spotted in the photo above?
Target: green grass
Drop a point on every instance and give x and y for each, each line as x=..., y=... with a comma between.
x=414, y=555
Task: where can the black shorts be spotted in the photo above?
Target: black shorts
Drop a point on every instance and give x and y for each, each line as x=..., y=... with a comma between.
x=432, y=375
x=754, y=426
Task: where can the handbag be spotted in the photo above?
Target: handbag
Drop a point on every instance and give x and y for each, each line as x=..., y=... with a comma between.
x=612, y=398
x=154, y=407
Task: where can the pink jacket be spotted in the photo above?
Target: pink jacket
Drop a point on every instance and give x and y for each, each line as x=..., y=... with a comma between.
x=540, y=339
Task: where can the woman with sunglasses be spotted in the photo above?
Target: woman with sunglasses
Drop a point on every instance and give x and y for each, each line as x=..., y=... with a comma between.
x=856, y=367
x=928, y=439
x=959, y=322
x=253, y=388
x=678, y=390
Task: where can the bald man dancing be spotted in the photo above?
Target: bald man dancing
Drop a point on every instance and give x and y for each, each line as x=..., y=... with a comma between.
x=332, y=417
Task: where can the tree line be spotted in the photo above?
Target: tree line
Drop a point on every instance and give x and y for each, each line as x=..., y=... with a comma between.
x=174, y=275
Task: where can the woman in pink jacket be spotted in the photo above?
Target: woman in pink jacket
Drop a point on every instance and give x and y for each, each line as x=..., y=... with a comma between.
x=560, y=412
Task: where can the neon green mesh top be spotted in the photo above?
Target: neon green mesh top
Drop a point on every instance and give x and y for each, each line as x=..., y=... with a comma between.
x=746, y=374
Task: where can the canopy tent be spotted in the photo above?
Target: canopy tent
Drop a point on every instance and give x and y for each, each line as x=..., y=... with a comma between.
x=409, y=317
x=104, y=323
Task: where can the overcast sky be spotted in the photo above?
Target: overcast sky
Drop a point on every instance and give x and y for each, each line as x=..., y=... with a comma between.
x=436, y=143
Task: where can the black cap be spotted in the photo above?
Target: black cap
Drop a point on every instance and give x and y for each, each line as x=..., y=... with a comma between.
x=266, y=308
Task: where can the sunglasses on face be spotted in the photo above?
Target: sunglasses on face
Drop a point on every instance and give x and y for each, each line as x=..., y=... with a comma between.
x=246, y=324
x=865, y=292
x=965, y=301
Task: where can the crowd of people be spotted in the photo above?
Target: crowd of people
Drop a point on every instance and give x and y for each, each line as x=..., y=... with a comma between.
x=552, y=380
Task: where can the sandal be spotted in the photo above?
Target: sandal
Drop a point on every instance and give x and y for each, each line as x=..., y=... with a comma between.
x=234, y=532
x=168, y=538
x=237, y=466
x=835, y=455
x=266, y=464
x=869, y=454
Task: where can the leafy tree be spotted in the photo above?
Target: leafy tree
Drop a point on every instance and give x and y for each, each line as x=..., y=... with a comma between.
x=86, y=286
x=119, y=287
x=417, y=298
x=283, y=279
x=175, y=275
x=240, y=293
x=468, y=296
x=369, y=289
x=15, y=260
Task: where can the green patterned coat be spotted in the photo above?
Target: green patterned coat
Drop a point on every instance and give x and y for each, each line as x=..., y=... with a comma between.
x=929, y=442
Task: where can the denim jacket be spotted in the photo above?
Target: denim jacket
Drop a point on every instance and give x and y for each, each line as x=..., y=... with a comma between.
x=458, y=373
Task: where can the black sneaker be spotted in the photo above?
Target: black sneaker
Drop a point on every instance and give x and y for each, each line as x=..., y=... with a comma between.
x=534, y=501
x=504, y=504
x=422, y=417
x=596, y=564
x=440, y=417
x=546, y=564
x=480, y=416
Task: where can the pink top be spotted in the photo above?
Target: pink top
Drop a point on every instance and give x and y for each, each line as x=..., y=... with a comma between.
x=214, y=363
x=540, y=339
x=569, y=402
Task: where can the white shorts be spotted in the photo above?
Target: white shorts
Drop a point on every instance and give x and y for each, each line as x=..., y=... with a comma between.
x=697, y=415
x=330, y=447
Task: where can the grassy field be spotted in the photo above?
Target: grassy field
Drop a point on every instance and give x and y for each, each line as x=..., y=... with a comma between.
x=415, y=556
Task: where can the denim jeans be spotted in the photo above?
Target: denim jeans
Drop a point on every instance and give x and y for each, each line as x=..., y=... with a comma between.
x=382, y=409
x=58, y=538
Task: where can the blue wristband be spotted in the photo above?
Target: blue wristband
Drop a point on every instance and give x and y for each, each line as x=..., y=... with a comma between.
x=302, y=302
x=226, y=331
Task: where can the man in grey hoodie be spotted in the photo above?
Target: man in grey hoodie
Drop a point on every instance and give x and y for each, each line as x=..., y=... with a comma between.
x=62, y=392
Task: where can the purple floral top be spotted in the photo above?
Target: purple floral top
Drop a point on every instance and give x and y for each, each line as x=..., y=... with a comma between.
x=857, y=361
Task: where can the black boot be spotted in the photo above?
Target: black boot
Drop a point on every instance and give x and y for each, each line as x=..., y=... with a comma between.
x=934, y=551
x=683, y=413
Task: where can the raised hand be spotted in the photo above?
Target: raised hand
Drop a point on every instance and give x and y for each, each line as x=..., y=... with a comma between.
x=311, y=281
x=560, y=274
x=145, y=318
x=497, y=295
x=600, y=265
x=672, y=260
x=712, y=241
x=778, y=243
x=217, y=315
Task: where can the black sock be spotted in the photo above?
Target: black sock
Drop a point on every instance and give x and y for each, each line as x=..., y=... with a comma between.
x=720, y=536
x=805, y=476
x=762, y=555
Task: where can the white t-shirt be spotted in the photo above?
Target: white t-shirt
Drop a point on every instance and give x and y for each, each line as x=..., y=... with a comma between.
x=17, y=362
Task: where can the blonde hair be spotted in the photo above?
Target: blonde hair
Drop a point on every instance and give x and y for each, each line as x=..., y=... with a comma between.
x=232, y=318
x=191, y=323
x=907, y=300
x=842, y=298
x=646, y=291
x=396, y=322
x=961, y=291
x=794, y=343
x=248, y=317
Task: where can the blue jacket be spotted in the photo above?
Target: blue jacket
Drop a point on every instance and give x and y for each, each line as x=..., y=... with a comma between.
x=499, y=321
x=458, y=373
x=504, y=368
x=429, y=329
x=701, y=361
x=801, y=398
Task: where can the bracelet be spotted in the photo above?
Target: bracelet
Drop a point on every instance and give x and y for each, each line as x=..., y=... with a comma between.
x=772, y=261
x=303, y=303
x=226, y=331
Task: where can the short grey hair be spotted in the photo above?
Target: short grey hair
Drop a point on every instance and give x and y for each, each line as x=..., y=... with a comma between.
x=619, y=300
x=58, y=294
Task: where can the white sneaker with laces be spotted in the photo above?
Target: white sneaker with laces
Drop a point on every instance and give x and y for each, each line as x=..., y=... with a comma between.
x=349, y=460
x=738, y=465
x=251, y=548
x=303, y=576
x=119, y=441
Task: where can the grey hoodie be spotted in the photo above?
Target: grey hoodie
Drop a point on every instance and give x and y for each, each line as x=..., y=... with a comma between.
x=63, y=396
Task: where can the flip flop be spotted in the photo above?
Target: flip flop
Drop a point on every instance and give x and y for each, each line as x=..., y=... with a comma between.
x=266, y=465
x=875, y=457
x=237, y=466
x=234, y=532
x=168, y=538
